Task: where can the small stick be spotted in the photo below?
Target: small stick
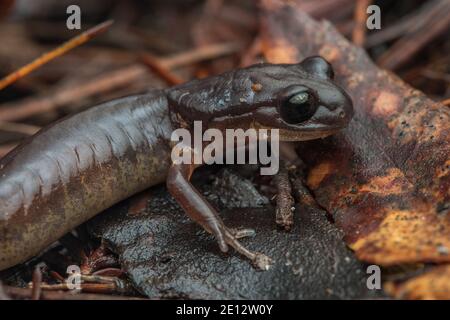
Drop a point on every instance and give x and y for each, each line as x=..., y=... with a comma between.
x=323, y=8
x=26, y=129
x=55, y=275
x=98, y=279
x=31, y=106
x=446, y=102
x=109, y=272
x=85, y=287
x=200, y=54
x=106, y=82
x=391, y=32
x=155, y=65
x=36, y=284
x=406, y=25
x=359, y=30
x=434, y=75
x=48, y=56
x=100, y=285
x=25, y=293
x=252, y=52
x=3, y=295
x=6, y=148
x=434, y=23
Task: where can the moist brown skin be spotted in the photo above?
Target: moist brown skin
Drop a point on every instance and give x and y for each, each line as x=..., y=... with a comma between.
x=81, y=165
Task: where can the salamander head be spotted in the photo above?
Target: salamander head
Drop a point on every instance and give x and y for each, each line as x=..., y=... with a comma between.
x=299, y=99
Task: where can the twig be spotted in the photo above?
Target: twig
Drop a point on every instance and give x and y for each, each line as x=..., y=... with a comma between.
x=433, y=24
x=109, y=272
x=359, y=30
x=26, y=129
x=6, y=148
x=85, y=287
x=25, y=293
x=434, y=75
x=155, y=65
x=36, y=283
x=392, y=31
x=202, y=53
x=99, y=279
x=405, y=25
x=106, y=82
x=3, y=295
x=46, y=57
x=90, y=283
x=55, y=275
x=252, y=52
x=98, y=284
x=31, y=106
x=324, y=8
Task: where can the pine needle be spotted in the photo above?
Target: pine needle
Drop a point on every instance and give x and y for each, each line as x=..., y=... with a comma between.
x=48, y=56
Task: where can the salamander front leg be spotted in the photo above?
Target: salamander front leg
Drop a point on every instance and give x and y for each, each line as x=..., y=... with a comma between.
x=204, y=214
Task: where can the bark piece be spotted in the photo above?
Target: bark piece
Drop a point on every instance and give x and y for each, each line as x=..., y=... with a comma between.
x=166, y=255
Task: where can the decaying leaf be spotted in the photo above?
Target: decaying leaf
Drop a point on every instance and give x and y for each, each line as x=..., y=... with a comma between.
x=385, y=179
x=430, y=285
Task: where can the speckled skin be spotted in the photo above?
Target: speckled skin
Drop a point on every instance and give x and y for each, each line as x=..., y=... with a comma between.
x=81, y=165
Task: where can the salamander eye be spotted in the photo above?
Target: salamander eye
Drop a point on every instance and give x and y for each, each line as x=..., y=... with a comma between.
x=298, y=107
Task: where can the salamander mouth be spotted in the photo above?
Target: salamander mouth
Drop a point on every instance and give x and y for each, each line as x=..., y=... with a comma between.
x=293, y=135
x=302, y=134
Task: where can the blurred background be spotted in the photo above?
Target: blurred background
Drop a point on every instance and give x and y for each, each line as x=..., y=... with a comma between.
x=154, y=43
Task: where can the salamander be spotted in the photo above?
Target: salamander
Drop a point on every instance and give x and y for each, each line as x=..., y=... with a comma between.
x=83, y=164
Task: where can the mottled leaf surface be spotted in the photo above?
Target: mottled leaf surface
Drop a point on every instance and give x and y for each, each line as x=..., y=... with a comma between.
x=385, y=178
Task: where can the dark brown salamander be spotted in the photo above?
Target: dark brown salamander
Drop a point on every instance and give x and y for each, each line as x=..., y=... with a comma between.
x=83, y=164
